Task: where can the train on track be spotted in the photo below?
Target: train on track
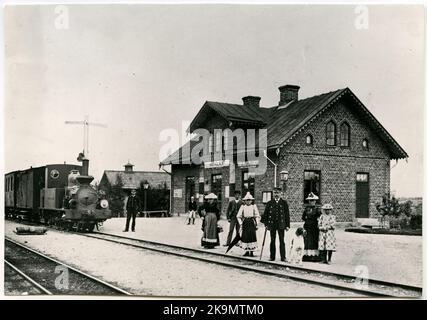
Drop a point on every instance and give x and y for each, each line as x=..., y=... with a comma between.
x=56, y=194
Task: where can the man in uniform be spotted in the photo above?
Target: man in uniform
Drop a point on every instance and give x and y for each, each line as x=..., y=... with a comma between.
x=232, y=209
x=132, y=208
x=276, y=219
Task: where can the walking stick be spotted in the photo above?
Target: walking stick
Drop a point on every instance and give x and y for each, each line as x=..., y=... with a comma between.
x=263, y=242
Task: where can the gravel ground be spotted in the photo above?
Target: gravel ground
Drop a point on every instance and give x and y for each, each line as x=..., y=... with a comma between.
x=15, y=284
x=146, y=273
x=391, y=258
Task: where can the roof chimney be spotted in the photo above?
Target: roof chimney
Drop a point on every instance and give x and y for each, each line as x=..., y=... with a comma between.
x=128, y=167
x=288, y=93
x=251, y=101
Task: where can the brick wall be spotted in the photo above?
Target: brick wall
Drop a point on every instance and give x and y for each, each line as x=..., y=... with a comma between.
x=338, y=165
x=179, y=173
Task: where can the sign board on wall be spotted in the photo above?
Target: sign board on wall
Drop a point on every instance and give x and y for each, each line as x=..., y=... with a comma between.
x=217, y=164
x=247, y=164
x=177, y=193
x=227, y=191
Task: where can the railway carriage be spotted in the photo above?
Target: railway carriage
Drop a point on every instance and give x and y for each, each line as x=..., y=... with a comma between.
x=10, y=190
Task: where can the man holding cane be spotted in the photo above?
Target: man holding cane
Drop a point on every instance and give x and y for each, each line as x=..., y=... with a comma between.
x=276, y=219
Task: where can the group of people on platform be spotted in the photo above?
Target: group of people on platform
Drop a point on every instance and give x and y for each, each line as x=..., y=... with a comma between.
x=315, y=241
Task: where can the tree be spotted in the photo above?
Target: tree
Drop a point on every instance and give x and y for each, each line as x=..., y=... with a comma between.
x=116, y=197
x=389, y=207
x=406, y=208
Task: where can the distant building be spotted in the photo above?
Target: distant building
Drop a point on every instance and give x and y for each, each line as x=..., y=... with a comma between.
x=329, y=144
x=159, y=184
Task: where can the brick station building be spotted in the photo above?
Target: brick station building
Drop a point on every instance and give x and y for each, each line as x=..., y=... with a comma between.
x=330, y=144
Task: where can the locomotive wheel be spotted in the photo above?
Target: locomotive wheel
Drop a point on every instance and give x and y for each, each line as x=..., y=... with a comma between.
x=80, y=227
x=90, y=227
x=69, y=226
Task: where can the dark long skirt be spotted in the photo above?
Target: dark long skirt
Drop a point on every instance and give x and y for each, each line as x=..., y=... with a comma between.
x=210, y=237
x=311, y=243
x=248, y=239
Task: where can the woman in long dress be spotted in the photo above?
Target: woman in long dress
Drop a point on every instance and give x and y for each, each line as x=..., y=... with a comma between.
x=248, y=218
x=210, y=214
x=327, y=241
x=311, y=241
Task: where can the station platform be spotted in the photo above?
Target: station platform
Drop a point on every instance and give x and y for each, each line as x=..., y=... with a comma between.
x=393, y=258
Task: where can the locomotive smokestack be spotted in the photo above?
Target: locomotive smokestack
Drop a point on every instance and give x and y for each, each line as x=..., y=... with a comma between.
x=85, y=178
x=85, y=168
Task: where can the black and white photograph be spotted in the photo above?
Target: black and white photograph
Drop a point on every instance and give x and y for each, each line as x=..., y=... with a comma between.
x=231, y=150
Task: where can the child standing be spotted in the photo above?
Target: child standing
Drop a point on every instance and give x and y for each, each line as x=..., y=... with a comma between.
x=327, y=241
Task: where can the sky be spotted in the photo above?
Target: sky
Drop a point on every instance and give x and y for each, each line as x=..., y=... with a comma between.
x=141, y=69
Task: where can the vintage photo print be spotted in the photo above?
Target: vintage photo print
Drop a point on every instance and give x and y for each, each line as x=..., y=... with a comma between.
x=213, y=150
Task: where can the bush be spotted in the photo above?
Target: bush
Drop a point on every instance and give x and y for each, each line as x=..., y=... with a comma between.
x=399, y=215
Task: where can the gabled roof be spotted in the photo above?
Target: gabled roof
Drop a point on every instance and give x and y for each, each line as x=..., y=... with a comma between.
x=133, y=179
x=287, y=121
x=283, y=123
x=241, y=114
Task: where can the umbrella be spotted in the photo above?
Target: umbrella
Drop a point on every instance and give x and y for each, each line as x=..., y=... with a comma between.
x=234, y=242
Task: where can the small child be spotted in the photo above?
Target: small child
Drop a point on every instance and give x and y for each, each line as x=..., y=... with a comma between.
x=327, y=241
x=297, y=246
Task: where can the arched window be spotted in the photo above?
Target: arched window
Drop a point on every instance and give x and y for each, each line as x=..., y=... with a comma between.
x=365, y=143
x=309, y=139
x=331, y=133
x=345, y=135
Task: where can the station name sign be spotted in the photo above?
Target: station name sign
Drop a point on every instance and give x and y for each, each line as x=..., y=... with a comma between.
x=247, y=164
x=217, y=164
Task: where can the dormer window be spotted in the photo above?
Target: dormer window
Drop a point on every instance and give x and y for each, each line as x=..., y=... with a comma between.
x=345, y=135
x=331, y=133
x=309, y=139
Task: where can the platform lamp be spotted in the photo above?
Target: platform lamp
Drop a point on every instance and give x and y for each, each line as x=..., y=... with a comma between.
x=146, y=185
x=284, y=174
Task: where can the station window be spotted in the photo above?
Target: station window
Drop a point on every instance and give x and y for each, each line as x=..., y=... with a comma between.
x=311, y=183
x=365, y=143
x=309, y=139
x=331, y=133
x=267, y=196
x=345, y=135
x=248, y=182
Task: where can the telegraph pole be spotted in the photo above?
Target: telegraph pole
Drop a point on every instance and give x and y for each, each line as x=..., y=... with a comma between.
x=86, y=125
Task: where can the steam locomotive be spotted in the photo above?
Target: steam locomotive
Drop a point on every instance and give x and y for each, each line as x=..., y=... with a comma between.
x=56, y=194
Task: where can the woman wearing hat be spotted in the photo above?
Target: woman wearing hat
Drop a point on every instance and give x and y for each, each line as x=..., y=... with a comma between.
x=311, y=241
x=327, y=242
x=210, y=213
x=248, y=218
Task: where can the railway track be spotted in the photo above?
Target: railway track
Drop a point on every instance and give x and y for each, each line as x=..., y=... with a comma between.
x=17, y=283
x=49, y=276
x=362, y=287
